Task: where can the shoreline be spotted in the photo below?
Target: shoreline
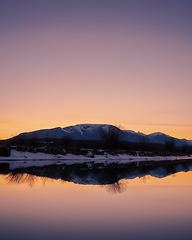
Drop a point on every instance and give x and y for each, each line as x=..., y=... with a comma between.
x=27, y=159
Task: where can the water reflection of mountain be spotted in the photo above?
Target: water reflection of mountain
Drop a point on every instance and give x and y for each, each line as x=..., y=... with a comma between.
x=98, y=173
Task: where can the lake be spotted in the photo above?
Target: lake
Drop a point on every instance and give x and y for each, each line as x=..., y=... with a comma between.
x=140, y=207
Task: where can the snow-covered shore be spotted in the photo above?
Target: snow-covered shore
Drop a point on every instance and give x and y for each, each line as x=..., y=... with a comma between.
x=26, y=159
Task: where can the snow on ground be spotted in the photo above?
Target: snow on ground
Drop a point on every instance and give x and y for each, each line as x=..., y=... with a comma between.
x=27, y=159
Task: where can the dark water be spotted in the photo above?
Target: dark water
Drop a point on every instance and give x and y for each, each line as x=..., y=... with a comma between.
x=88, y=203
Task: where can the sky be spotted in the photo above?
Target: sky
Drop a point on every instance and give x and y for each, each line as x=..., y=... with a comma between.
x=117, y=62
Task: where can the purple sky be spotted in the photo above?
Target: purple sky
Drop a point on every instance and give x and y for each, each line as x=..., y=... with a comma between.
x=117, y=62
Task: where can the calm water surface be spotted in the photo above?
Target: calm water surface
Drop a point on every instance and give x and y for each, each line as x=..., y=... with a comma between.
x=141, y=208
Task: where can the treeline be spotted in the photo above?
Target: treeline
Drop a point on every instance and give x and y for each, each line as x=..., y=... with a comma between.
x=111, y=143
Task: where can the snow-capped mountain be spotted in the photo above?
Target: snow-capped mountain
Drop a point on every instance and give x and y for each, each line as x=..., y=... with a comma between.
x=77, y=132
x=92, y=132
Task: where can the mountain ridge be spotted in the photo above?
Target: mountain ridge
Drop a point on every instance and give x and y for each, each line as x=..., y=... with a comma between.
x=92, y=132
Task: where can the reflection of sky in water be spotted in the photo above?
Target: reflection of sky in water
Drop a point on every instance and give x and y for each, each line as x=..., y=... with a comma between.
x=147, y=208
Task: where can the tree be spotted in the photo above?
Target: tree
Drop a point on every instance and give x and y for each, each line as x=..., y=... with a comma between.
x=144, y=142
x=110, y=136
x=170, y=144
x=184, y=148
x=66, y=141
x=5, y=151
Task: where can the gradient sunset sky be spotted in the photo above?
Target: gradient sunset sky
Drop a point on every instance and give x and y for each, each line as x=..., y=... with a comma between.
x=111, y=61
